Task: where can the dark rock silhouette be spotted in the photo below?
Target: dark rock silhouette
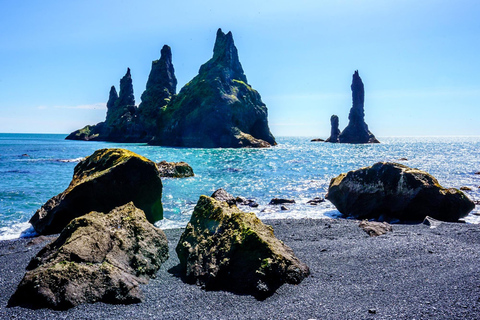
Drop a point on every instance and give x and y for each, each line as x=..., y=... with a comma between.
x=357, y=130
x=334, y=132
x=217, y=108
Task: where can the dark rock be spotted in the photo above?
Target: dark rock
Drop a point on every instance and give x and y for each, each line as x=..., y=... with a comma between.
x=161, y=87
x=389, y=191
x=223, y=248
x=402, y=159
x=335, y=131
x=175, y=169
x=316, y=201
x=276, y=201
x=97, y=257
x=478, y=172
x=107, y=179
x=217, y=108
x=317, y=140
x=465, y=188
x=357, y=130
x=374, y=228
x=283, y=208
x=224, y=196
x=246, y=202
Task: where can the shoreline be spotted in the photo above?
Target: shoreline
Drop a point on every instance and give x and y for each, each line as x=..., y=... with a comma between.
x=412, y=272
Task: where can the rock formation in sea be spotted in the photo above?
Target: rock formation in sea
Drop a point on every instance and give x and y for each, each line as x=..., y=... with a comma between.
x=103, y=181
x=334, y=132
x=101, y=256
x=357, y=130
x=223, y=248
x=217, y=108
x=175, y=169
x=394, y=192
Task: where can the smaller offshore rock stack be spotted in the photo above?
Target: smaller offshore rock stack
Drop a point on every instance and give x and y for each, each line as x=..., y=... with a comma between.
x=357, y=130
x=335, y=132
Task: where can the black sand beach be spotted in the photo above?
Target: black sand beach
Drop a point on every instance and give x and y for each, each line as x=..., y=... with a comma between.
x=414, y=272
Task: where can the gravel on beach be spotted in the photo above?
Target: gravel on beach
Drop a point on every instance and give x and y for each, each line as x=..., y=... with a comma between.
x=413, y=272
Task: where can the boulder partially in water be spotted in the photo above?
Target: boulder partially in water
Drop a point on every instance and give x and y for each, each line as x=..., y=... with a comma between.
x=223, y=248
x=391, y=192
x=175, y=169
x=105, y=180
x=97, y=257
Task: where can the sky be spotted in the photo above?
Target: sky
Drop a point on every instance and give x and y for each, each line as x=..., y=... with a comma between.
x=419, y=60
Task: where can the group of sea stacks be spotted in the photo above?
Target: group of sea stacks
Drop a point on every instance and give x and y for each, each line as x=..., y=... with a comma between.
x=217, y=108
x=357, y=130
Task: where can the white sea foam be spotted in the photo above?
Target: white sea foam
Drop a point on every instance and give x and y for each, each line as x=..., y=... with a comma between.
x=18, y=230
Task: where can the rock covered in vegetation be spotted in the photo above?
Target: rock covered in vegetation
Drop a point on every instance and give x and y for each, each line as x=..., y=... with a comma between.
x=357, y=130
x=175, y=169
x=334, y=131
x=390, y=191
x=97, y=257
x=224, y=248
x=105, y=180
x=217, y=108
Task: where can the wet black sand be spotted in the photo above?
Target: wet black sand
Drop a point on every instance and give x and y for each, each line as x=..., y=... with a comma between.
x=414, y=272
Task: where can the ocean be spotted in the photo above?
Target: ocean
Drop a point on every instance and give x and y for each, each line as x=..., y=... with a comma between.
x=36, y=167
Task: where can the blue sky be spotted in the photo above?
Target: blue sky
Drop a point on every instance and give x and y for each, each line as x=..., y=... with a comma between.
x=419, y=60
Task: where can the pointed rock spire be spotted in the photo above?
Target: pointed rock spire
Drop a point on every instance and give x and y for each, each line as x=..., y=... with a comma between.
x=126, y=97
x=225, y=58
x=357, y=130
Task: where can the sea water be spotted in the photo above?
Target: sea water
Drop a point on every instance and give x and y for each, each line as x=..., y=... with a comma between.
x=36, y=167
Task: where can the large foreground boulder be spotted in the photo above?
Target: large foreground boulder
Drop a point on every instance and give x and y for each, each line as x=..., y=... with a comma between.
x=224, y=248
x=391, y=191
x=97, y=257
x=105, y=180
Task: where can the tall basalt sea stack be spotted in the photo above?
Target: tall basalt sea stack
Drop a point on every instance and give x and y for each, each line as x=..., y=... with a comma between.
x=161, y=87
x=217, y=108
x=357, y=130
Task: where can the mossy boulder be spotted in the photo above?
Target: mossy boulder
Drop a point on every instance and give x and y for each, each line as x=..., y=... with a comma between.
x=105, y=180
x=391, y=191
x=223, y=248
x=97, y=257
x=175, y=169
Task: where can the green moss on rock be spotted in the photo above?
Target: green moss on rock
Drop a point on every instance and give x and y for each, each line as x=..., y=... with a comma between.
x=227, y=249
x=107, y=179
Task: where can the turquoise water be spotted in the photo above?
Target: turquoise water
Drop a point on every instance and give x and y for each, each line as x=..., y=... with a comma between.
x=35, y=167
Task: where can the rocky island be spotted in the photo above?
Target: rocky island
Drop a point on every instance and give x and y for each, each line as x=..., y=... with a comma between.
x=217, y=108
x=357, y=130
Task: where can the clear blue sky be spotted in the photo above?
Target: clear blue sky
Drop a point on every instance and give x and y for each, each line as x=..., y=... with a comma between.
x=419, y=60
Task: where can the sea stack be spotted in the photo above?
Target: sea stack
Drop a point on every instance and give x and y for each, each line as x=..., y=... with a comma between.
x=217, y=108
x=335, y=132
x=357, y=130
